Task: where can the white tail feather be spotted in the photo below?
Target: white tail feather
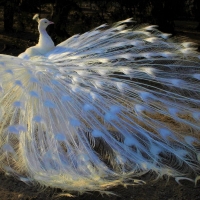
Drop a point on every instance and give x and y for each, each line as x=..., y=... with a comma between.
x=101, y=108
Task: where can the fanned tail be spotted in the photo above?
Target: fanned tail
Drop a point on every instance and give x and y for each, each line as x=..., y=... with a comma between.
x=101, y=108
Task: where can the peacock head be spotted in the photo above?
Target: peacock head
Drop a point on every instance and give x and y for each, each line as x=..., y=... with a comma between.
x=42, y=23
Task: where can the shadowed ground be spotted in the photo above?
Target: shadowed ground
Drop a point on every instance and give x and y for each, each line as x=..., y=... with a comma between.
x=11, y=189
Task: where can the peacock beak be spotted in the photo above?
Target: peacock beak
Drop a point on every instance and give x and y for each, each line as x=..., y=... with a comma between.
x=51, y=22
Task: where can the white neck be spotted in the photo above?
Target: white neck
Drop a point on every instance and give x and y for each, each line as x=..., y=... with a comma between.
x=45, y=42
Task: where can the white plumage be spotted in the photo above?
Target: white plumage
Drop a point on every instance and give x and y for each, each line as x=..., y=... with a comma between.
x=45, y=43
x=101, y=109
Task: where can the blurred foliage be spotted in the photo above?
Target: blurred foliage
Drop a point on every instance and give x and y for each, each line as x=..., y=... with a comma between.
x=76, y=16
x=196, y=11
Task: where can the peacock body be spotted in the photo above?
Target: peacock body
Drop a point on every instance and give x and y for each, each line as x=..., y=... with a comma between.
x=101, y=109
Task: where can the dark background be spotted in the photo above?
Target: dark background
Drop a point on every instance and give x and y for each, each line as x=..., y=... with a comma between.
x=179, y=17
x=18, y=31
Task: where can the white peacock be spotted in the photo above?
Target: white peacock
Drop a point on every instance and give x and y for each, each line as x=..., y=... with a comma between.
x=100, y=108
